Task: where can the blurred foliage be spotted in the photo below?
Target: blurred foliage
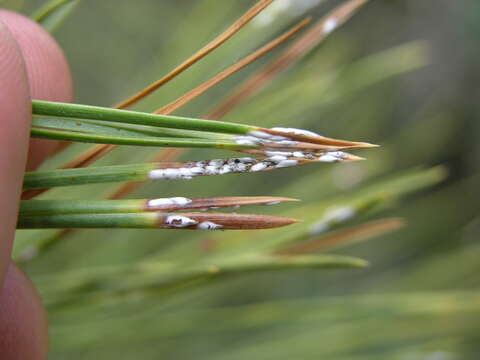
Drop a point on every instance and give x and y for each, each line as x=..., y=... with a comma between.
x=54, y=13
x=373, y=80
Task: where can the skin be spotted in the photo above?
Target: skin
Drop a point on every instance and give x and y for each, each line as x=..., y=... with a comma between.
x=32, y=66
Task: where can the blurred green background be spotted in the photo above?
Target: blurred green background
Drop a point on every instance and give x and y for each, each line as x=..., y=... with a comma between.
x=400, y=73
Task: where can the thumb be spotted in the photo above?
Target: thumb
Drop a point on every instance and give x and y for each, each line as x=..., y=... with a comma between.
x=22, y=332
x=31, y=65
x=15, y=113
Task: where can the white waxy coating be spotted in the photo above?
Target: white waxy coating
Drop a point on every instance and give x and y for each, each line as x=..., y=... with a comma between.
x=211, y=170
x=171, y=173
x=185, y=172
x=216, y=163
x=179, y=221
x=297, y=131
x=180, y=201
x=329, y=26
x=156, y=174
x=208, y=225
x=332, y=156
x=338, y=154
x=280, y=153
x=287, y=142
x=263, y=136
x=328, y=158
x=221, y=166
x=197, y=170
x=225, y=169
x=276, y=138
x=277, y=158
x=286, y=163
x=298, y=154
x=163, y=174
x=259, y=134
x=239, y=167
x=258, y=167
x=212, y=167
x=247, y=140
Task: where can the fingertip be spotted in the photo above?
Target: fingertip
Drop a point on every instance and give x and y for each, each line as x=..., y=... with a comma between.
x=23, y=321
x=31, y=65
x=14, y=133
x=47, y=67
x=47, y=70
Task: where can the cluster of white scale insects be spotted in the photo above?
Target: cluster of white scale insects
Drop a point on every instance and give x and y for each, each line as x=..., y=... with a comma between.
x=180, y=221
x=277, y=158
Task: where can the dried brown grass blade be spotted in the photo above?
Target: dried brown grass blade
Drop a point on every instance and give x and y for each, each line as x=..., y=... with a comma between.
x=192, y=94
x=207, y=49
x=346, y=237
x=89, y=157
x=308, y=41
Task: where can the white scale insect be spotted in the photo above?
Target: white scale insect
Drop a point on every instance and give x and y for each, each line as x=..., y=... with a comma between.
x=179, y=221
x=163, y=202
x=329, y=26
x=208, y=225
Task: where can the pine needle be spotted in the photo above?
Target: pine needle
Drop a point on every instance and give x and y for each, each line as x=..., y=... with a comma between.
x=345, y=237
x=183, y=221
x=100, y=150
x=194, y=93
x=53, y=207
x=207, y=49
x=301, y=47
